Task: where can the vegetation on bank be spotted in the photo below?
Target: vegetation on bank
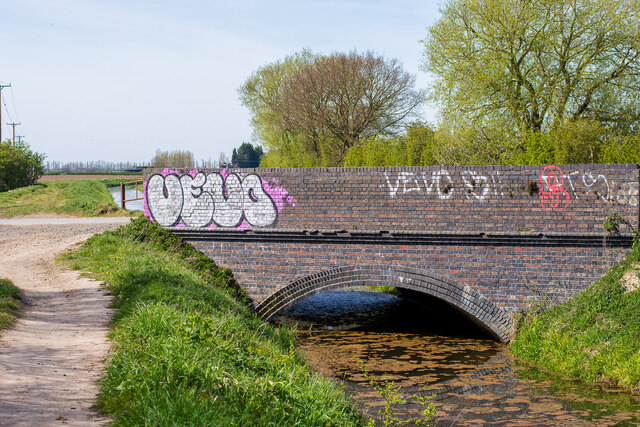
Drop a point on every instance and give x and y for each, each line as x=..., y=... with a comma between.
x=19, y=166
x=187, y=350
x=73, y=197
x=9, y=303
x=595, y=335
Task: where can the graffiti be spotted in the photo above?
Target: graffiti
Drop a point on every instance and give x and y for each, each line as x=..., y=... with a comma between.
x=553, y=196
x=213, y=200
x=628, y=194
x=477, y=186
x=557, y=187
x=582, y=184
x=407, y=180
x=441, y=183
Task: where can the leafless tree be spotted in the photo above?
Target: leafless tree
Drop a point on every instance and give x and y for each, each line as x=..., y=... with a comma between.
x=338, y=99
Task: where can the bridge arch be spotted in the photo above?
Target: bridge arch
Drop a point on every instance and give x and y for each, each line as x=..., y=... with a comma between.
x=474, y=305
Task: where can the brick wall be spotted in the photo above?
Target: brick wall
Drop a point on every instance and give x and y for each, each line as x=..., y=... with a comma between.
x=506, y=274
x=565, y=199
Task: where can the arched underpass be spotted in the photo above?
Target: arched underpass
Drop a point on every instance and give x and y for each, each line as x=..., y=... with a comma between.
x=491, y=318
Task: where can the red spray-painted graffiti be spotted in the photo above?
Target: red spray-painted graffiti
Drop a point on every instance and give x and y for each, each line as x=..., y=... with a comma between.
x=553, y=198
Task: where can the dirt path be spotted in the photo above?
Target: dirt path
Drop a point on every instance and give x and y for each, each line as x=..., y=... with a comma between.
x=50, y=361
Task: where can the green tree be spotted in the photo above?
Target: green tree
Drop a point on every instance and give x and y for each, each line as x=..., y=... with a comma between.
x=378, y=151
x=19, y=166
x=621, y=149
x=262, y=94
x=534, y=65
x=308, y=110
x=420, y=144
x=246, y=156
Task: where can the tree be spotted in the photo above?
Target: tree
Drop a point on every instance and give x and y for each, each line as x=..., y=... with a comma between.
x=246, y=156
x=314, y=108
x=173, y=159
x=534, y=65
x=261, y=94
x=19, y=166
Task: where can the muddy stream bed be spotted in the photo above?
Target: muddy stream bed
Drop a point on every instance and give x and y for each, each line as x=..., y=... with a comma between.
x=427, y=349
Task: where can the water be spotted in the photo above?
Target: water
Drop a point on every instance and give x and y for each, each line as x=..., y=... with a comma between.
x=474, y=380
x=130, y=193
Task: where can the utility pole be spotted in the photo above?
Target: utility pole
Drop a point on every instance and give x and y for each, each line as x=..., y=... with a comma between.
x=13, y=125
x=2, y=87
x=19, y=138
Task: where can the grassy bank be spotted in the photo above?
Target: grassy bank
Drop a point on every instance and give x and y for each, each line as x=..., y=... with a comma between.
x=9, y=303
x=595, y=335
x=187, y=351
x=79, y=198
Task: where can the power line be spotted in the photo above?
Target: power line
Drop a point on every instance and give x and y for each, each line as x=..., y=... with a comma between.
x=13, y=125
x=13, y=101
x=5, y=107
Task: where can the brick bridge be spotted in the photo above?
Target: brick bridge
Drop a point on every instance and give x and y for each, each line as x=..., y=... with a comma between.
x=486, y=240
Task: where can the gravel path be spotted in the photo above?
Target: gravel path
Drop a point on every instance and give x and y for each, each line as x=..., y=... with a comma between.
x=50, y=361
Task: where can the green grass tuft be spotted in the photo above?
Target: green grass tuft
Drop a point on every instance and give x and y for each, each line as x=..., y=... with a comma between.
x=594, y=336
x=187, y=350
x=9, y=303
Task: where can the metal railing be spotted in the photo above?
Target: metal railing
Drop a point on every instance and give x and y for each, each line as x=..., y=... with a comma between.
x=123, y=185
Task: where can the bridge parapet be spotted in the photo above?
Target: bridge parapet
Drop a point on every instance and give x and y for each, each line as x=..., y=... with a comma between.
x=504, y=234
x=471, y=199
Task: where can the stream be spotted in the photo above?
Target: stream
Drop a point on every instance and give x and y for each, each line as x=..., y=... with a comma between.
x=130, y=193
x=428, y=349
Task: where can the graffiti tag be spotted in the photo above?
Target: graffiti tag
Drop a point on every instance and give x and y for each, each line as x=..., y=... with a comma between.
x=553, y=197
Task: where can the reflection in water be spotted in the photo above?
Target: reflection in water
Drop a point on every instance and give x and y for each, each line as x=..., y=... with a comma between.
x=130, y=193
x=474, y=380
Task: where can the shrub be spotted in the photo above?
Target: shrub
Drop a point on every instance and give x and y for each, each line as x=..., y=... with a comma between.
x=19, y=166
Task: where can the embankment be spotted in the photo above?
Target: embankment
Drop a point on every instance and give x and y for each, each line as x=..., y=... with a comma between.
x=595, y=335
x=187, y=351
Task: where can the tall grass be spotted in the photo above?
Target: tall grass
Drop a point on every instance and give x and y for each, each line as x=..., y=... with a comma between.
x=186, y=352
x=9, y=303
x=74, y=197
x=594, y=336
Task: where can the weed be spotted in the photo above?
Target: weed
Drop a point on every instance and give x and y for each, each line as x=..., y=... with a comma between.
x=611, y=224
x=532, y=187
x=392, y=398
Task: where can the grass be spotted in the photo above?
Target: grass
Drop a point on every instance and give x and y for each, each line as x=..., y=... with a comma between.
x=74, y=197
x=9, y=303
x=187, y=349
x=594, y=336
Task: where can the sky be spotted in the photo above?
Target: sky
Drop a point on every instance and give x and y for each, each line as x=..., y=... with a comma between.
x=116, y=80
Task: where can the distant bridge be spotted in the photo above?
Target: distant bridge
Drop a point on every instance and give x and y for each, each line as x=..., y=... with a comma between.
x=486, y=240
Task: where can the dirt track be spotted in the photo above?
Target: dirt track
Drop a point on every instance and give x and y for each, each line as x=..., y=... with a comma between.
x=50, y=361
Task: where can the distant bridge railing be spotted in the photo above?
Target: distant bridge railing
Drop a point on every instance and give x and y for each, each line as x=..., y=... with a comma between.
x=139, y=194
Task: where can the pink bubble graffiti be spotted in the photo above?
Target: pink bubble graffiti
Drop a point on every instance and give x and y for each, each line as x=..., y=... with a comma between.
x=278, y=194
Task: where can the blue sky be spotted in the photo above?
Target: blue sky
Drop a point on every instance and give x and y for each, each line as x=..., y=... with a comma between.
x=117, y=80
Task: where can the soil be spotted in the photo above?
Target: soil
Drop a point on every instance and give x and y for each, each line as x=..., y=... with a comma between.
x=51, y=360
